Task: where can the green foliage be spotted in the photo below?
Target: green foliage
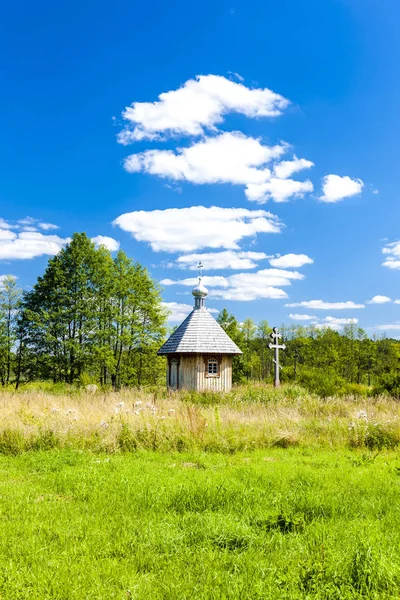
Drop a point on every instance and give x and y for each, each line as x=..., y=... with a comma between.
x=389, y=383
x=323, y=383
x=91, y=318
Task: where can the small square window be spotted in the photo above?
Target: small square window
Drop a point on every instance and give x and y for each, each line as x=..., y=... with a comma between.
x=212, y=368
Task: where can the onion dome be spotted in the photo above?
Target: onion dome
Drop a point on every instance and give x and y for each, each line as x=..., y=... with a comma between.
x=200, y=291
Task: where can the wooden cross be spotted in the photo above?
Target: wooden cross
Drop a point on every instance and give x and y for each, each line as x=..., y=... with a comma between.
x=275, y=335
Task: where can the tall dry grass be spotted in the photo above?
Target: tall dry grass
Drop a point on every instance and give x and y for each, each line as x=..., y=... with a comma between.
x=248, y=417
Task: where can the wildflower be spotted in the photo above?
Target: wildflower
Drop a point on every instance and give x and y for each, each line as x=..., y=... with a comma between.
x=54, y=410
x=352, y=425
x=362, y=415
x=137, y=412
x=138, y=403
x=92, y=388
x=104, y=424
x=171, y=411
x=163, y=417
x=70, y=411
x=120, y=405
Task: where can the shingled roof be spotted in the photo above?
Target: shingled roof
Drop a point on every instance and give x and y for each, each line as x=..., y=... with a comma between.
x=199, y=334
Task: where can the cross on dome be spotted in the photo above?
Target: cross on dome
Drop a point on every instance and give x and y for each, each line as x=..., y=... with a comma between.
x=200, y=292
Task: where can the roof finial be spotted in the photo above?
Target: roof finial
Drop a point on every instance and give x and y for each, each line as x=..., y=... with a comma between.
x=200, y=267
x=200, y=292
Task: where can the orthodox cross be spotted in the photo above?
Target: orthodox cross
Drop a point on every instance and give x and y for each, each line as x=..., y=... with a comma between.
x=275, y=335
x=200, y=268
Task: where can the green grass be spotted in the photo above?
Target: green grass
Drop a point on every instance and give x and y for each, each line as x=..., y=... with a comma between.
x=269, y=524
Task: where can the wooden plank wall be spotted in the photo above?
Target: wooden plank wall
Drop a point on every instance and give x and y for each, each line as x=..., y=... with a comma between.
x=192, y=374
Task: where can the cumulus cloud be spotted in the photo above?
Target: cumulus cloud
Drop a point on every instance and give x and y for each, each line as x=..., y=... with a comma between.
x=108, y=242
x=31, y=224
x=228, y=259
x=392, y=251
x=379, y=300
x=197, y=227
x=286, y=168
x=4, y=224
x=28, y=244
x=198, y=105
x=230, y=157
x=335, y=188
x=47, y=226
x=388, y=326
x=297, y=317
x=321, y=305
x=335, y=323
x=291, y=261
x=244, y=287
x=279, y=190
x=178, y=312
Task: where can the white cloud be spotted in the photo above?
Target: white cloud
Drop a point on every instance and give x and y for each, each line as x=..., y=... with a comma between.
x=244, y=287
x=335, y=323
x=321, y=305
x=4, y=224
x=291, y=261
x=392, y=251
x=286, y=168
x=388, y=326
x=279, y=190
x=188, y=229
x=230, y=157
x=47, y=226
x=297, y=317
x=379, y=300
x=228, y=259
x=27, y=221
x=335, y=188
x=198, y=105
x=178, y=312
x=108, y=242
x=32, y=224
x=28, y=244
x=397, y=302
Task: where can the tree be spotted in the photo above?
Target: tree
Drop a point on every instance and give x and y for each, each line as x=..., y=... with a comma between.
x=10, y=298
x=90, y=314
x=229, y=323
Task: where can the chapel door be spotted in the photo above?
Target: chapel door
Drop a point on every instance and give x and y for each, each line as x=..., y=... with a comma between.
x=173, y=374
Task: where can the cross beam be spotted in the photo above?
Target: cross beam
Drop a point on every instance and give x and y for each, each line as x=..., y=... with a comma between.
x=276, y=346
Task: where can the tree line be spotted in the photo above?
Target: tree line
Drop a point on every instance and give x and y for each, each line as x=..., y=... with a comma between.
x=322, y=359
x=92, y=318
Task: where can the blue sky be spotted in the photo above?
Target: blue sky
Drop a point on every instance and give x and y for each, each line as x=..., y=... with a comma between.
x=259, y=83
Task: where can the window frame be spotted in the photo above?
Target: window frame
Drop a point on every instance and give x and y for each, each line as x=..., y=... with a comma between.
x=216, y=364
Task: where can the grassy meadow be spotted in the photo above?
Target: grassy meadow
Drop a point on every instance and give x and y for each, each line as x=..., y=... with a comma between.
x=255, y=494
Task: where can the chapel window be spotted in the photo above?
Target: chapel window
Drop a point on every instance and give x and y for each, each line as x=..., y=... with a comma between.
x=212, y=367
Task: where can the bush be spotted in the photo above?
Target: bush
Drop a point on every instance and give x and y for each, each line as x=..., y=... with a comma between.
x=390, y=384
x=357, y=390
x=323, y=383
